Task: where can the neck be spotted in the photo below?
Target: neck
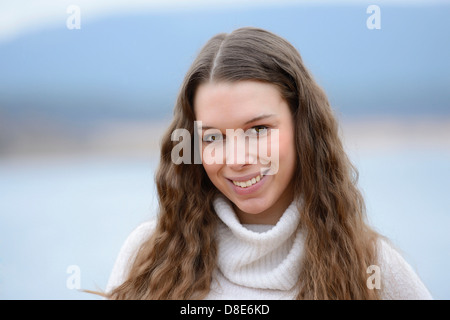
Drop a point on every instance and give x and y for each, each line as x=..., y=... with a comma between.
x=271, y=215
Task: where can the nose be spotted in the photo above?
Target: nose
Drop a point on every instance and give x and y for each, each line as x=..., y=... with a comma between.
x=240, y=152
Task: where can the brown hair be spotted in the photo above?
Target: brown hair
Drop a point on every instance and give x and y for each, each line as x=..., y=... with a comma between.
x=178, y=260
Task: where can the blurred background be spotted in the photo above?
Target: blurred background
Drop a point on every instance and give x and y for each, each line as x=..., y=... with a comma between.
x=87, y=91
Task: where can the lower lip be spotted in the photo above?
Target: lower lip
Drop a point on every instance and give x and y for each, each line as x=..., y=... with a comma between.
x=248, y=190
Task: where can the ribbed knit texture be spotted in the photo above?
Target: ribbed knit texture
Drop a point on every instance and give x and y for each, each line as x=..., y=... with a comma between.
x=263, y=262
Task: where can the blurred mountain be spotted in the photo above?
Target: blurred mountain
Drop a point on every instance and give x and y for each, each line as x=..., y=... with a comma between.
x=131, y=66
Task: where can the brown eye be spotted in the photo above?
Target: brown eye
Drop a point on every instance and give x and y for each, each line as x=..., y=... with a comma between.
x=212, y=137
x=259, y=130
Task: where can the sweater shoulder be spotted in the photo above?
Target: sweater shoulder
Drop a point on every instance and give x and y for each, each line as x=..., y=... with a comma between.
x=128, y=252
x=399, y=281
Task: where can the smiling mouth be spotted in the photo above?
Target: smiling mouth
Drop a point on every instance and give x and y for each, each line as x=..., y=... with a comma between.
x=248, y=183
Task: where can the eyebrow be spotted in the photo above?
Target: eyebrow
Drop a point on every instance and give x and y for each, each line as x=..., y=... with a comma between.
x=260, y=117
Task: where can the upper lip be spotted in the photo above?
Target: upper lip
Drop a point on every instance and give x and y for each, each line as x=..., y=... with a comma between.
x=246, y=177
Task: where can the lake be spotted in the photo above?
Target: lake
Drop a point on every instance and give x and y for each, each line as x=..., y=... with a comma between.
x=61, y=218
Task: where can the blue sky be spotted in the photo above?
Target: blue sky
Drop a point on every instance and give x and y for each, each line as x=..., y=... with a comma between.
x=128, y=59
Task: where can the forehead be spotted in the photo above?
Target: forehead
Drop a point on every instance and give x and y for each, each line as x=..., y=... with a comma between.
x=228, y=105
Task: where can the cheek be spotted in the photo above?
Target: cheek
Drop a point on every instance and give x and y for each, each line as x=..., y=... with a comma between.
x=286, y=149
x=281, y=151
x=212, y=172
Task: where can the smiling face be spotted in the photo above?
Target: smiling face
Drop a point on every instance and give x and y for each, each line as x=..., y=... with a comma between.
x=259, y=110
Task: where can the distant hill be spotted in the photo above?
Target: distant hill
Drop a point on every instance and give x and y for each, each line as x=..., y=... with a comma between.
x=131, y=66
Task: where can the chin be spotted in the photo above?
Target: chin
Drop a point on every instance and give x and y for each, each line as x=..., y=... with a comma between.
x=251, y=206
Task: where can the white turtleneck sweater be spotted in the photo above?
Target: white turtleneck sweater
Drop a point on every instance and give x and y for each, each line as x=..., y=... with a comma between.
x=263, y=261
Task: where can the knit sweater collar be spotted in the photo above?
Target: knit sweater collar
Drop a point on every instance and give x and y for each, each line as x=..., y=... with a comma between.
x=263, y=260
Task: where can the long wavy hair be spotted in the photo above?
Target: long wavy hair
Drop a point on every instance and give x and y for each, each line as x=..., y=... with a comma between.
x=178, y=259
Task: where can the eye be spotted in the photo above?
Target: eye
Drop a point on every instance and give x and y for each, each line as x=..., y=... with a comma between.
x=259, y=130
x=212, y=137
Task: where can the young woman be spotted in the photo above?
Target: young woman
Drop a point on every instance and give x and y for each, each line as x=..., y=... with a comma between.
x=290, y=226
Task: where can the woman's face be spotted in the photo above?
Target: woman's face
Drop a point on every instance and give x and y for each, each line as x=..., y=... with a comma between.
x=248, y=150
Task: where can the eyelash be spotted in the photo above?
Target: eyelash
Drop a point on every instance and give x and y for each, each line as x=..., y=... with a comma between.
x=206, y=138
x=266, y=128
x=220, y=136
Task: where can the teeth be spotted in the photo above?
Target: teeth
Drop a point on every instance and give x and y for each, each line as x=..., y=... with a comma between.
x=245, y=184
